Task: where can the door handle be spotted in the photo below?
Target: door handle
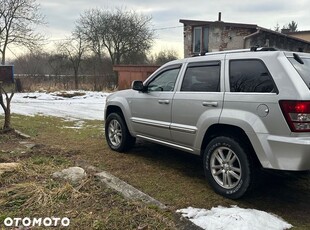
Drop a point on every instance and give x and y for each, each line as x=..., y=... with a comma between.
x=166, y=102
x=210, y=103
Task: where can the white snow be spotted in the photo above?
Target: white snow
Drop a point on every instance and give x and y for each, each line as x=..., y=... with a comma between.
x=91, y=106
x=233, y=218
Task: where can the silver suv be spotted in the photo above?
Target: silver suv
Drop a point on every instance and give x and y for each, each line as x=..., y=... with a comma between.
x=240, y=110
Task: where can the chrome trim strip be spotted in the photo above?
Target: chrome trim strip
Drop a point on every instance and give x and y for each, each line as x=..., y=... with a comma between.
x=183, y=128
x=153, y=123
x=166, y=143
x=166, y=125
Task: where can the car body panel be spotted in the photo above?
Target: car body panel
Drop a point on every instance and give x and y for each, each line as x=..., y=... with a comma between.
x=151, y=114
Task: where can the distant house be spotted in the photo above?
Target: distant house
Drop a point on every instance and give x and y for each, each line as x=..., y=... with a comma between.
x=304, y=34
x=209, y=36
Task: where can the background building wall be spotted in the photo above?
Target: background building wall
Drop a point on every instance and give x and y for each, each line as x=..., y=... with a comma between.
x=227, y=38
x=129, y=73
x=221, y=38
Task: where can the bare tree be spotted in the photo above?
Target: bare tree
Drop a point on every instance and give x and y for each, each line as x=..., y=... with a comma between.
x=74, y=49
x=139, y=57
x=6, y=105
x=17, y=21
x=58, y=64
x=277, y=28
x=165, y=56
x=117, y=32
x=32, y=63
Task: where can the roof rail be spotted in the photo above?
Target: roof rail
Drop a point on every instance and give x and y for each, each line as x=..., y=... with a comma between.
x=257, y=48
x=199, y=54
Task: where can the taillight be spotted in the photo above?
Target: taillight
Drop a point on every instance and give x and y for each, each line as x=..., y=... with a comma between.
x=297, y=115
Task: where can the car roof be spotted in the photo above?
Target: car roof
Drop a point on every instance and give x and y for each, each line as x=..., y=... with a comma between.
x=254, y=51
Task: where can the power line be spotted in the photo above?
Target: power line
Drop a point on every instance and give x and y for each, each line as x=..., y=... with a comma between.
x=12, y=52
x=167, y=28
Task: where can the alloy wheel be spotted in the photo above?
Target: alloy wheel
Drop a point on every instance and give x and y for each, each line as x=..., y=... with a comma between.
x=225, y=167
x=115, y=133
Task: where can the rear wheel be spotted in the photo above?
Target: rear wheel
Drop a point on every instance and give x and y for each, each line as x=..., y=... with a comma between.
x=117, y=134
x=228, y=167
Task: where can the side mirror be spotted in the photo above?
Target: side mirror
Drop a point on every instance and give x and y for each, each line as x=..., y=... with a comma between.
x=138, y=85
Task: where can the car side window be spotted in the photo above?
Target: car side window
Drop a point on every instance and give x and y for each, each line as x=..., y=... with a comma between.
x=250, y=76
x=202, y=77
x=165, y=81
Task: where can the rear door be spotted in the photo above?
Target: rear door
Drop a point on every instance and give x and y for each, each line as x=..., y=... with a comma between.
x=198, y=102
x=251, y=98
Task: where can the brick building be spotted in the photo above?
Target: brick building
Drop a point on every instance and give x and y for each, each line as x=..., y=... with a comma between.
x=209, y=36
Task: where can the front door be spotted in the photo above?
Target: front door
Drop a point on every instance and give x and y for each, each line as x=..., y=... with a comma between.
x=151, y=110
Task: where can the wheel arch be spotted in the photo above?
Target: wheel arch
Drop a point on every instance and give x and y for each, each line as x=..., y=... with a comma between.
x=114, y=109
x=231, y=131
x=118, y=109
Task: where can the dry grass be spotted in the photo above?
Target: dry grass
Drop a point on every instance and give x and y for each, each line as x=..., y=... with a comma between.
x=29, y=195
x=31, y=191
x=57, y=83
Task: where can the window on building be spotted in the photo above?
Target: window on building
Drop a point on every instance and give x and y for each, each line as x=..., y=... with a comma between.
x=250, y=76
x=200, y=39
x=202, y=77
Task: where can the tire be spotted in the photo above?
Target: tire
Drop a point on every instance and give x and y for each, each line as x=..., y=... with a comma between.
x=228, y=167
x=117, y=134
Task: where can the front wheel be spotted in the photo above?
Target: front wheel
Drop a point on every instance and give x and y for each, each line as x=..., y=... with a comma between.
x=228, y=167
x=117, y=134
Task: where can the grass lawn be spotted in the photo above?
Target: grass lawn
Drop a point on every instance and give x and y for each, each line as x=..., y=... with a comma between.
x=172, y=177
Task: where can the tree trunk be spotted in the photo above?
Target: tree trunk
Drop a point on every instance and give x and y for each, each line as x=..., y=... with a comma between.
x=6, y=108
x=76, y=80
x=7, y=119
x=3, y=58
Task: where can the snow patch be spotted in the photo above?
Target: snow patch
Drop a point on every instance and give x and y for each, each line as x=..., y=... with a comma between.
x=77, y=125
x=234, y=218
x=89, y=106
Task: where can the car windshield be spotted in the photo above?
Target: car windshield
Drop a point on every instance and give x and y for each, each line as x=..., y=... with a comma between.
x=302, y=66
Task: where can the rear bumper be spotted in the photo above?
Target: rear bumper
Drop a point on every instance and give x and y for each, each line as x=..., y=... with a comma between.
x=289, y=153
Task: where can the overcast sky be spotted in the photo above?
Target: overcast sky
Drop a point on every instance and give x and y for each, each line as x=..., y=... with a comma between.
x=61, y=15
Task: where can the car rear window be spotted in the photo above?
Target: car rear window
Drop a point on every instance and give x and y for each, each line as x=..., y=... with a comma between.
x=250, y=76
x=303, y=68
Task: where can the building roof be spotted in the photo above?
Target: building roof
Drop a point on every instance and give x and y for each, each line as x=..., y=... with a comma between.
x=196, y=23
x=242, y=25
x=283, y=35
x=299, y=32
